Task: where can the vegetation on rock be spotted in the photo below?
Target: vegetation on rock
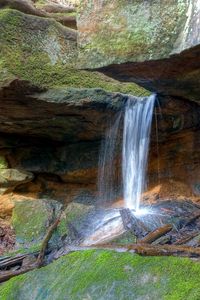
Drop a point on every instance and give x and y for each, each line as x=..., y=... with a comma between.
x=47, y=57
x=106, y=274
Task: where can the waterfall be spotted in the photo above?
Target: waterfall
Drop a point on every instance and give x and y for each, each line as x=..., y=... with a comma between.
x=136, y=136
x=108, y=169
x=135, y=147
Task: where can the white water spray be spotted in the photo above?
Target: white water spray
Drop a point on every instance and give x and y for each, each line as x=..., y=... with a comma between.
x=136, y=136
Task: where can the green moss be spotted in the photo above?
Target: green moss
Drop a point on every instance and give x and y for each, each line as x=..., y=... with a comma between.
x=108, y=275
x=30, y=220
x=46, y=57
x=75, y=214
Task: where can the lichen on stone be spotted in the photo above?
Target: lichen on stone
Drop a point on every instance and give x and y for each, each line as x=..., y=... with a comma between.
x=125, y=31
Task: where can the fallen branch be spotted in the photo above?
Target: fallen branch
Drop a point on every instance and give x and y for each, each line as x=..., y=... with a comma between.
x=46, y=239
x=155, y=250
x=6, y=275
x=185, y=239
x=12, y=261
x=156, y=234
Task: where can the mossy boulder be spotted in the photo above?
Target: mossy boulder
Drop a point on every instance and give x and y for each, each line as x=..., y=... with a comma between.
x=108, y=275
x=125, y=31
x=31, y=219
x=74, y=221
x=33, y=46
x=44, y=52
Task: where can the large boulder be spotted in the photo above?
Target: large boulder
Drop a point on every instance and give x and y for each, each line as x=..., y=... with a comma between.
x=153, y=43
x=44, y=52
x=32, y=218
x=102, y=274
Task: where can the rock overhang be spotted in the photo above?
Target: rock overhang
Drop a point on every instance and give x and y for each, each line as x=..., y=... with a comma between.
x=151, y=43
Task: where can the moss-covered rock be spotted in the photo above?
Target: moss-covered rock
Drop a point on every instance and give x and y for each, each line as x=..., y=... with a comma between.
x=108, y=275
x=13, y=177
x=31, y=219
x=32, y=44
x=124, y=31
x=44, y=52
x=73, y=221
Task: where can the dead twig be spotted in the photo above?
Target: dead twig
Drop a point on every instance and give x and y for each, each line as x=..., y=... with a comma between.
x=46, y=239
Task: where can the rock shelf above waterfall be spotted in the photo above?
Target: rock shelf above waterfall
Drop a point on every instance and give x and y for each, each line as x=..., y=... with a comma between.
x=153, y=43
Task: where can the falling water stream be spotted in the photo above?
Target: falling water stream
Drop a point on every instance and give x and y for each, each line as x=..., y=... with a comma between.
x=108, y=170
x=136, y=135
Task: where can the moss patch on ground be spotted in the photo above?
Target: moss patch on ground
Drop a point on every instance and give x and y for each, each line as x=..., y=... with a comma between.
x=108, y=275
x=44, y=52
